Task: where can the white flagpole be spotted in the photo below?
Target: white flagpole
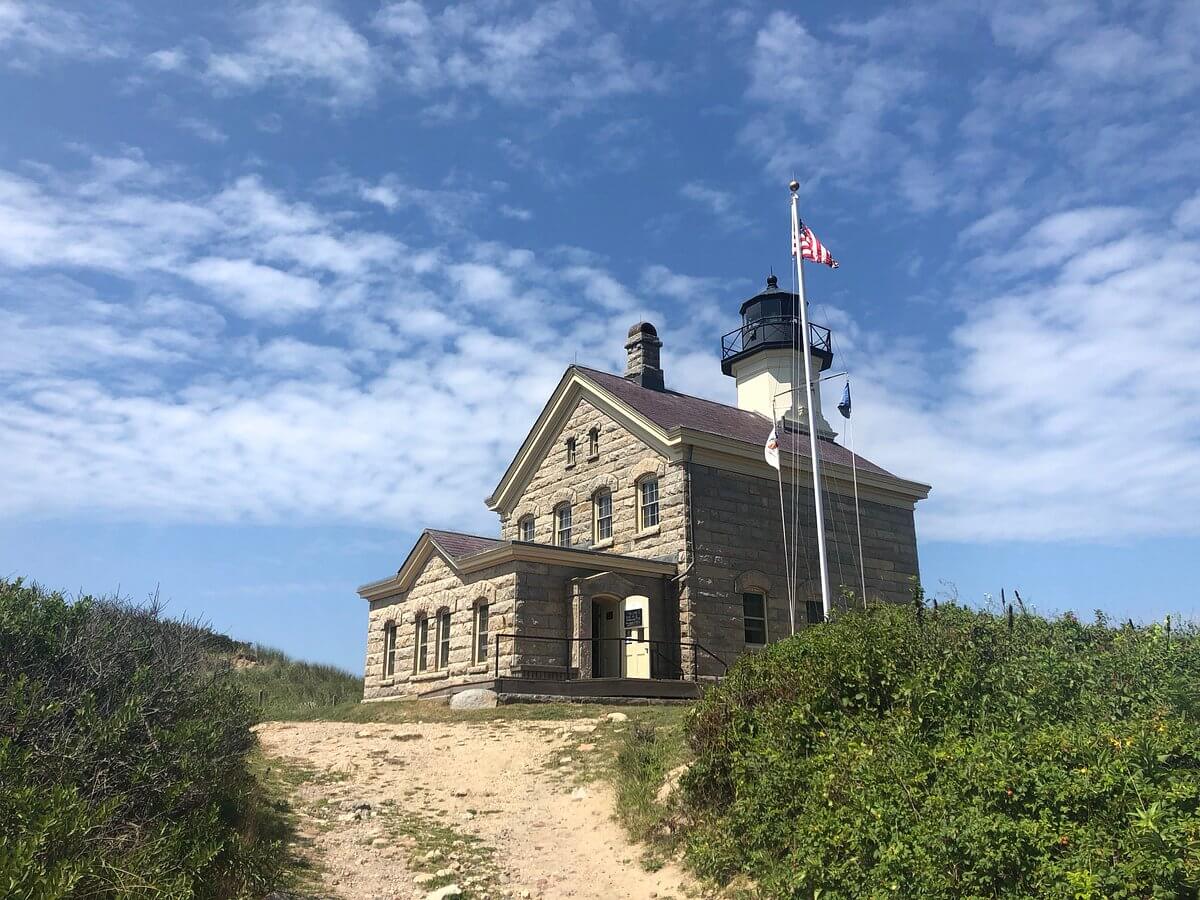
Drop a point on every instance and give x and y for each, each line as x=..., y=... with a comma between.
x=808, y=405
x=787, y=565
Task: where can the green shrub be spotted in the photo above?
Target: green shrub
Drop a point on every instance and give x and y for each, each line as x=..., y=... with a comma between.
x=123, y=761
x=953, y=753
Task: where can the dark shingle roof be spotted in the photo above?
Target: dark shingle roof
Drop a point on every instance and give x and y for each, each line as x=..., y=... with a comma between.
x=669, y=409
x=458, y=545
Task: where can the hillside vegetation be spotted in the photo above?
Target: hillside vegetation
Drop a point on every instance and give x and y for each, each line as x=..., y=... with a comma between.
x=952, y=753
x=285, y=688
x=125, y=757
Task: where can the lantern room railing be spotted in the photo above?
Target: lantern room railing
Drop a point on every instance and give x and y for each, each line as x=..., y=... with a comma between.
x=774, y=330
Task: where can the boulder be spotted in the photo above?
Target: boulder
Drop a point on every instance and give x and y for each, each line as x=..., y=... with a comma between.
x=445, y=893
x=474, y=698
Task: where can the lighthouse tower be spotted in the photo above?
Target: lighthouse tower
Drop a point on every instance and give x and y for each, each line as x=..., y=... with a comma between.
x=761, y=357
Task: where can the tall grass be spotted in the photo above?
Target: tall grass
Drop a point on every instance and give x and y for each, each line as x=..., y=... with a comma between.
x=285, y=688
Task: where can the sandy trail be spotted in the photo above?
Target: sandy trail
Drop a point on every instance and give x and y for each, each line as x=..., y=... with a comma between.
x=497, y=781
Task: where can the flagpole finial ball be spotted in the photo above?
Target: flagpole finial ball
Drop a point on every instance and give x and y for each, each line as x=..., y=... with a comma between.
x=794, y=186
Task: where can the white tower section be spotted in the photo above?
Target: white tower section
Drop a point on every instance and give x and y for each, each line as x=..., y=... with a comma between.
x=760, y=358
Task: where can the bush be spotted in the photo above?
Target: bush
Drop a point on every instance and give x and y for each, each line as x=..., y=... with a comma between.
x=953, y=753
x=123, y=760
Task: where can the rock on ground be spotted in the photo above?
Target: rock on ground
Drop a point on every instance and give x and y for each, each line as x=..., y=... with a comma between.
x=474, y=698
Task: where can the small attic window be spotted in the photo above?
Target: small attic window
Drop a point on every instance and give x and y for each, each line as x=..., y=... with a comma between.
x=593, y=443
x=570, y=451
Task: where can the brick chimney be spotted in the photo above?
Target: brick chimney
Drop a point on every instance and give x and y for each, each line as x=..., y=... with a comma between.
x=643, y=366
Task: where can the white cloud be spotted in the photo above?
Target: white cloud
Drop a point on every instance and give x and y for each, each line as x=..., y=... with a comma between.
x=1065, y=407
x=298, y=44
x=254, y=290
x=721, y=205
x=556, y=52
x=32, y=32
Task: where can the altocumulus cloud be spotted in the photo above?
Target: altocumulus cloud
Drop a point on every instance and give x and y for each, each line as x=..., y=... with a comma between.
x=184, y=355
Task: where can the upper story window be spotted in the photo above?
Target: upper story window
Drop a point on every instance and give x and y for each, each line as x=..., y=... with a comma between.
x=389, y=649
x=570, y=451
x=647, y=502
x=525, y=529
x=754, y=618
x=442, y=658
x=421, y=645
x=593, y=443
x=602, y=516
x=814, y=611
x=479, y=646
x=562, y=525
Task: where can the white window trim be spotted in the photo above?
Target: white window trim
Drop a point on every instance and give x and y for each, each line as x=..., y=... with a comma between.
x=558, y=530
x=421, y=645
x=390, y=641
x=597, y=539
x=521, y=528
x=478, y=658
x=443, y=639
x=641, y=506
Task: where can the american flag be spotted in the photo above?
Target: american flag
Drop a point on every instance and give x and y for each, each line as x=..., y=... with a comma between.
x=807, y=246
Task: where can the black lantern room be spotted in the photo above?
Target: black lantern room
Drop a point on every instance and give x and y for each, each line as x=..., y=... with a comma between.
x=771, y=320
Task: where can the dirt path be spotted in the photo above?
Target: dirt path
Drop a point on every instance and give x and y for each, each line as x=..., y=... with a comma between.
x=491, y=807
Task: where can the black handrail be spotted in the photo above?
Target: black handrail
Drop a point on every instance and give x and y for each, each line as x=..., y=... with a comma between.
x=654, y=645
x=774, y=330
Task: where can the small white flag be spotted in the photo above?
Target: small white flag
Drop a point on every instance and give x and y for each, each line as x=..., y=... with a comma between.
x=771, y=450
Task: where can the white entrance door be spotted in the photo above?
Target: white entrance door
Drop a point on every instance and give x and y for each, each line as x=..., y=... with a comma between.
x=635, y=619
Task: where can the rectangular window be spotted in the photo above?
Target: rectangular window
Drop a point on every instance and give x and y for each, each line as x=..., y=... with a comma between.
x=648, y=508
x=527, y=529
x=443, y=635
x=754, y=615
x=593, y=443
x=421, y=646
x=481, y=633
x=570, y=451
x=562, y=526
x=814, y=611
x=389, y=650
x=602, y=522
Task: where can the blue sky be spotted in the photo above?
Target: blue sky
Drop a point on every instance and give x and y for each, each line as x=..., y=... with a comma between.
x=283, y=283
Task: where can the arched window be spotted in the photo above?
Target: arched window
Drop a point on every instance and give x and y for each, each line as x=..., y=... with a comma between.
x=647, y=502
x=441, y=658
x=525, y=529
x=601, y=516
x=479, y=645
x=754, y=618
x=389, y=649
x=421, y=644
x=570, y=451
x=562, y=525
x=593, y=443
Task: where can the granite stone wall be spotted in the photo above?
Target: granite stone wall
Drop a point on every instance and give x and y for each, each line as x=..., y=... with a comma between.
x=739, y=548
x=438, y=588
x=621, y=461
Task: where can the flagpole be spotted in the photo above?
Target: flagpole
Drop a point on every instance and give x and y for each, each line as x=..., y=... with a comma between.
x=791, y=582
x=808, y=405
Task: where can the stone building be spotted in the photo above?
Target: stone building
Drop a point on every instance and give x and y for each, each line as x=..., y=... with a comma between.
x=640, y=547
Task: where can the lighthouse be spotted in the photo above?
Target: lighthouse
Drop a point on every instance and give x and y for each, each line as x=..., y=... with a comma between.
x=761, y=357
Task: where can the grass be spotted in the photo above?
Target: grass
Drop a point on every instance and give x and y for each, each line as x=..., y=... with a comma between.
x=288, y=689
x=279, y=781
x=437, y=848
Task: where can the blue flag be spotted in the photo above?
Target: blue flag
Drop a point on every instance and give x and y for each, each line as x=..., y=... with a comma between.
x=844, y=406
